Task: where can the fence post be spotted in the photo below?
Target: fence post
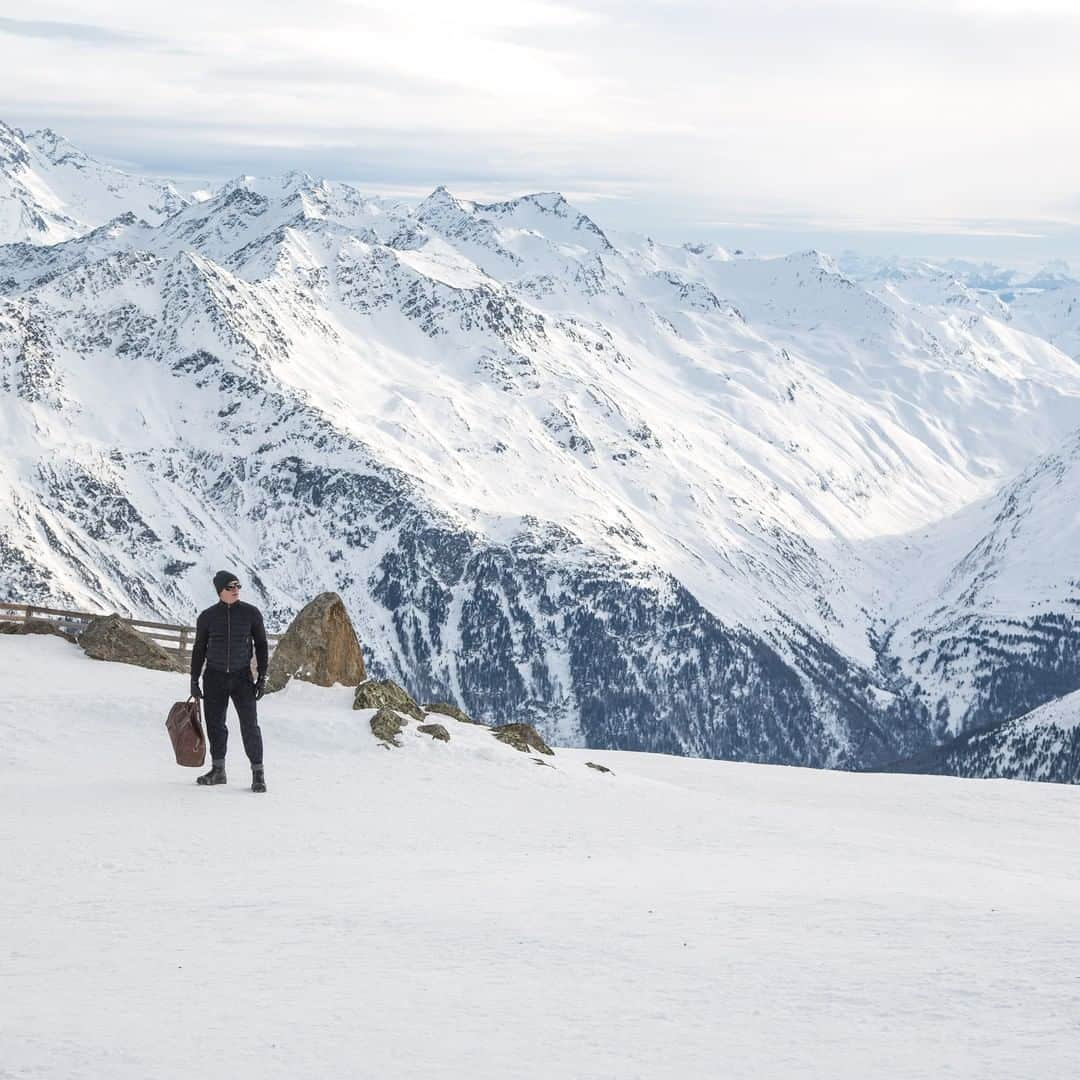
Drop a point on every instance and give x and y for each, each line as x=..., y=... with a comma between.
x=29, y=613
x=183, y=642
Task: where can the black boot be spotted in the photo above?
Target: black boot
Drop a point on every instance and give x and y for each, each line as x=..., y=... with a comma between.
x=216, y=775
x=257, y=781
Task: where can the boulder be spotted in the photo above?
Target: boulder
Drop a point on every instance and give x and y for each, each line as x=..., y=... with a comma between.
x=444, y=708
x=436, y=731
x=380, y=693
x=523, y=737
x=109, y=637
x=35, y=626
x=598, y=768
x=320, y=646
x=387, y=725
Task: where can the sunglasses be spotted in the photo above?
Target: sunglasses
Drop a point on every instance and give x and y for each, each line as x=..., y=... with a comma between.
x=232, y=588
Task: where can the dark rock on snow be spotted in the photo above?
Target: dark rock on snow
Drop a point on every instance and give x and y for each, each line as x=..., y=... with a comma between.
x=444, y=708
x=387, y=726
x=523, y=737
x=35, y=626
x=436, y=731
x=380, y=693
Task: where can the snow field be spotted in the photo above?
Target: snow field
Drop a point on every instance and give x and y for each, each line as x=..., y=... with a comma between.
x=459, y=911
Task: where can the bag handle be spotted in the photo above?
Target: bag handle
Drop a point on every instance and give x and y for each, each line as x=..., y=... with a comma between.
x=198, y=715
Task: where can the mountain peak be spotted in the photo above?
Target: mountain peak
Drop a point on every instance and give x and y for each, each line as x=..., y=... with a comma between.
x=440, y=199
x=54, y=147
x=812, y=257
x=51, y=191
x=12, y=146
x=283, y=187
x=551, y=202
x=707, y=251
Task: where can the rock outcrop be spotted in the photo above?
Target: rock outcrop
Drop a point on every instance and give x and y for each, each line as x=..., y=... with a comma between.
x=387, y=726
x=320, y=646
x=109, y=637
x=523, y=737
x=35, y=626
x=382, y=693
x=444, y=708
x=436, y=731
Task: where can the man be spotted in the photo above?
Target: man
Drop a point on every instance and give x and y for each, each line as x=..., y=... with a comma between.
x=224, y=635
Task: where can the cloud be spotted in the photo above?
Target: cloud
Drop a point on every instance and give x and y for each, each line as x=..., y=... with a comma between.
x=886, y=112
x=315, y=72
x=84, y=33
x=915, y=227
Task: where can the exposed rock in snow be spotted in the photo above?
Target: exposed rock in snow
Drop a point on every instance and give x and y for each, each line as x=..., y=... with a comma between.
x=436, y=731
x=446, y=709
x=34, y=626
x=384, y=694
x=320, y=646
x=110, y=638
x=387, y=725
x=523, y=737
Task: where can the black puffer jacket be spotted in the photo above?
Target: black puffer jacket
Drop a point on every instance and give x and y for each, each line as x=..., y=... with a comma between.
x=223, y=637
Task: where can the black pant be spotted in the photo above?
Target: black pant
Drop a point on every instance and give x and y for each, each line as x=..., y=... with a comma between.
x=218, y=687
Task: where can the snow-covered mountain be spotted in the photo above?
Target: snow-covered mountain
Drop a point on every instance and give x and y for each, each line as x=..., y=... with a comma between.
x=51, y=191
x=649, y=496
x=997, y=630
x=1044, y=302
x=1044, y=745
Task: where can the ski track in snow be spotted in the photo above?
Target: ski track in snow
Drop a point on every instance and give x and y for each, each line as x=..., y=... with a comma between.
x=457, y=910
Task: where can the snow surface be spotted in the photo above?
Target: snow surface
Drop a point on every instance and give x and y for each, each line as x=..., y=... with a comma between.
x=460, y=911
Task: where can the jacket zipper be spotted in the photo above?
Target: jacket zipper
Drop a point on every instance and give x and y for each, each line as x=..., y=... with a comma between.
x=228, y=638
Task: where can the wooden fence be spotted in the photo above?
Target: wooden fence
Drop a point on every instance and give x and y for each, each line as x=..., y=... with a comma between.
x=172, y=637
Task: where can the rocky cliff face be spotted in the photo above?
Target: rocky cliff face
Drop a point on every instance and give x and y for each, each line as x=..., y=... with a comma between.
x=641, y=496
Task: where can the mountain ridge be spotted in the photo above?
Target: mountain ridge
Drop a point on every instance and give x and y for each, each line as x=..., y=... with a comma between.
x=729, y=458
x=51, y=191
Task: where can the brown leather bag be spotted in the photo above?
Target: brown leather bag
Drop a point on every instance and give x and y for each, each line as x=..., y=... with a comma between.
x=185, y=728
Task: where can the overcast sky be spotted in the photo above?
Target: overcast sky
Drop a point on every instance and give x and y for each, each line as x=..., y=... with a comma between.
x=905, y=119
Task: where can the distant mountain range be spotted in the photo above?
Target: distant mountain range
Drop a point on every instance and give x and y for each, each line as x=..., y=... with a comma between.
x=647, y=496
x=50, y=191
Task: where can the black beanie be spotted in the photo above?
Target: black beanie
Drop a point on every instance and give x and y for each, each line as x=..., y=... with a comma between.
x=223, y=578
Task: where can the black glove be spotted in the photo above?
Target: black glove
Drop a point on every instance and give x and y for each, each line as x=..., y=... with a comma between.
x=195, y=691
x=260, y=687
